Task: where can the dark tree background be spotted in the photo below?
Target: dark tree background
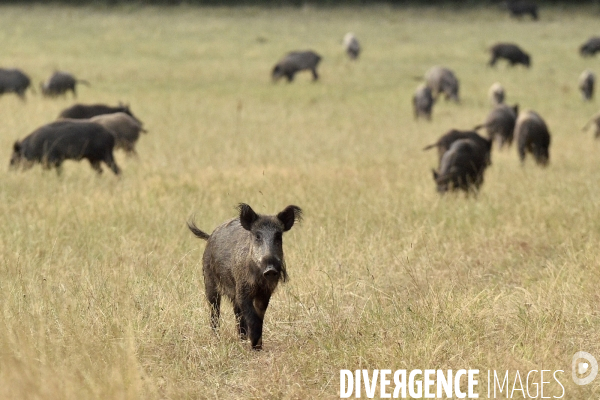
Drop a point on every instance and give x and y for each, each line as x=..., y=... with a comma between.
x=299, y=3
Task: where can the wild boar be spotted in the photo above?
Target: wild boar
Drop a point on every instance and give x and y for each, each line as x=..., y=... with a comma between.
x=294, y=62
x=243, y=260
x=510, y=52
x=461, y=167
x=58, y=141
x=124, y=128
x=59, y=83
x=500, y=124
x=423, y=102
x=447, y=139
x=351, y=45
x=595, y=120
x=520, y=8
x=590, y=47
x=442, y=80
x=532, y=137
x=14, y=81
x=586, y=84
x=87, y=111
x=496, y=94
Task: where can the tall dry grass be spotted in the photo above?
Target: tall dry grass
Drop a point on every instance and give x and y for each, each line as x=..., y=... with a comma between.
x=101, y=284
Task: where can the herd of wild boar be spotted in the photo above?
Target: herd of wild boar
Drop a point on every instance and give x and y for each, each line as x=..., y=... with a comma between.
x=243, y=259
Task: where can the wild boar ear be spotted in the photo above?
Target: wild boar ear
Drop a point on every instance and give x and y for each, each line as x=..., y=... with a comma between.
x=17, y=146
x=247, y=216
x=516, y=108
x=288, y=216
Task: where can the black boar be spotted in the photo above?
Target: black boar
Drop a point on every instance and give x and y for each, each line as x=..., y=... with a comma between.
x=510, y=52
x=124, y=128
x=51, y=144
x=14, y=81
x=294, y=62
x=496, y=94
x=533, y=137
x=595, y=120
x=591, y=47
x=351, y=45
x=59, y=83
x=500, y=124
x=447, y=139
x=442, y=80
x=423, y=102
x=243, y=261
x=86, y=111
x=586, y=84
x=461, y=167
x=520, y=8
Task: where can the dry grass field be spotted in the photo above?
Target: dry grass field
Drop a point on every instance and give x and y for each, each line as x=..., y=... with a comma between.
x=101, y=287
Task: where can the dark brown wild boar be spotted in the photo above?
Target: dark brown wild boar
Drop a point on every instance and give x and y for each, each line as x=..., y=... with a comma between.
x=294, y=62
x=447, y=139
x=511, y=53
x=59, y=83
x=461, y=167
x=423, y=102
x=243, y=261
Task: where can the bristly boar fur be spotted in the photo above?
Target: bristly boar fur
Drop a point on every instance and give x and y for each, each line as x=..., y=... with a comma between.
x=423, y=102
x=533, y=137
x=124, y=128
x=447, y=139
x=294, y=62
x=500, y=124
x=14, y=81
x=59, y=83
x=243, y=260
x=461, y=168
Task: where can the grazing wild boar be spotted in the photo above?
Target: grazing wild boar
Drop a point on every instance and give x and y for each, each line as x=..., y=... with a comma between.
x=461, y=167
x=532, y=137
x=496, y=94
x=243, y=260
x=51, y=144
x=294, y=62
x=124, y=128
x=87, y=111
x=59, y=83
x=447, y=139
x=442, y=80
x=520, y=8
x=423, y=102
x=14, y=81
x=591, y=47
x=595, y=120
x=351, y=45
x=500, y=124
x=510, y=52
x=586, y=84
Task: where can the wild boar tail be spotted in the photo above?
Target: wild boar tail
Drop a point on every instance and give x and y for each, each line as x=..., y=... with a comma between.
x=197, y=232
x=431, y=146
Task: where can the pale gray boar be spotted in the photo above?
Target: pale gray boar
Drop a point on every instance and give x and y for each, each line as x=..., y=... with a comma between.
x=532, y=137
x=511, y=53
x=595, y=120
x=587, y=79
x=423, y=102
x=496, y=94
x=500, y=124
x=243, y=260
x=351, y=45
x=442, y=80
x=59, y=83
x=590, y=47
x=124, y=128
x=14, y=81
x=58, y=141
x=461, y=168
x=294, y=62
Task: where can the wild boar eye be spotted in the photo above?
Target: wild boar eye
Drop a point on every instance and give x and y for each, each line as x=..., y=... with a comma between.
x=258, y=236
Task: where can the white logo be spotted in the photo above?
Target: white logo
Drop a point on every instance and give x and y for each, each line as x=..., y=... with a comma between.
x=583, y=363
